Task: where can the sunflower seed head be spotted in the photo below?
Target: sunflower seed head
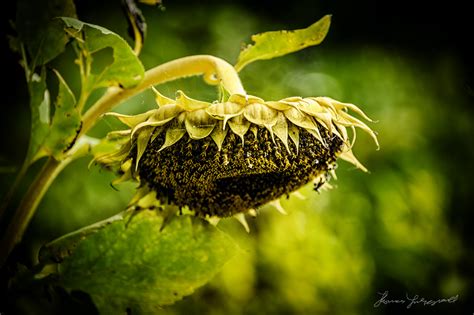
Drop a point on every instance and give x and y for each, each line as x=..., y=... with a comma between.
x=202, y=156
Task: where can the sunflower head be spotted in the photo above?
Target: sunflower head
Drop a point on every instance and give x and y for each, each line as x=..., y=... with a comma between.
x=224, y=158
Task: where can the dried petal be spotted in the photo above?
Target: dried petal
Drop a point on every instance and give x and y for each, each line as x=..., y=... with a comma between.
x=239, y=125
x=260, y=114
x=160, y=99
x=281, y=130
x=294, y=134
x=225, y=111
x=218, y=134
x=174, y=132
x=299, y=119
x=188, y=103
x=349, y=156
x=199, y=124
x=132, y=120
x=142, y=142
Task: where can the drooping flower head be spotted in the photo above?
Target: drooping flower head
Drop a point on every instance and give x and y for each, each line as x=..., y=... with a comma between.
x=224, y=158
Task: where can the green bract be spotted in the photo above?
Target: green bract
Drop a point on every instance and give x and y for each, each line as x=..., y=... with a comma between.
x=225, y=158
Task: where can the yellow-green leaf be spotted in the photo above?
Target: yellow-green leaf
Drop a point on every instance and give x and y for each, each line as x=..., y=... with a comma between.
x=126, y=69
x=269, y=45
x=65, y=125
x=134, y=263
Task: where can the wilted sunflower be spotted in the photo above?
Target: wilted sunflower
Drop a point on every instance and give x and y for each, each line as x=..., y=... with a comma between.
x=225, y=158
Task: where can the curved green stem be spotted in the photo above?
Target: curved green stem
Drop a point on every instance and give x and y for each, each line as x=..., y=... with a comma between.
x=8, y=196
x=214, y=70
x=28, y=205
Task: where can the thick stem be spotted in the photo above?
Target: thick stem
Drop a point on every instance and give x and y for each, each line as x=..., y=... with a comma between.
x=215, y=71
x=8, y=196
x=28, y=205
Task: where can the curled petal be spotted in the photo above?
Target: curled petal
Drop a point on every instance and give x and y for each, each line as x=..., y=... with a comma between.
x=160, y=99
x=260, y=114
x=174, y=132
x=132, y=120
x=317, y=135
x=142, y=141
x=339, y=105
x=277, y=204
x=299, y=119
x=165, y=114
x=241, y=218
x=239, y=125
x=348, y=155
x=218, y=134
x=280, y=106
x=348, y=120
x=294, y=134
x=199, y=124
x=281, y=130
x=293, y=100
x=188, y=103
x=119, y=134
x=225, y=111
x=245, y=99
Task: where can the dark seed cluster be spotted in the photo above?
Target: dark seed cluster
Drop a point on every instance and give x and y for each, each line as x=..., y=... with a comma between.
x=196, y=174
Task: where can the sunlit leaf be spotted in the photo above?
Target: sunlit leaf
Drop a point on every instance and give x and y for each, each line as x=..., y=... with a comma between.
x=126, y=70
x=65, y=125
x=40, y=104
x=39, y=31
x=269, y=45
x=132, y=263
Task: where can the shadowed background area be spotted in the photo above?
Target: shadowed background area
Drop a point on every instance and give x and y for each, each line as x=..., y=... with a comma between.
x=403, y=228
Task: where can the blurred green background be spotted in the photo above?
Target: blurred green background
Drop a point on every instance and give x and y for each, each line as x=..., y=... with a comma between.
x=404, y=228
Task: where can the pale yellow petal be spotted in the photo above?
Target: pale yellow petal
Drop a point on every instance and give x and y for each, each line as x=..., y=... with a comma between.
x=244, y=99
x=281, y=130
x=276, y=203
x=260, y=114
x=199, y=124
x=218, y=134
x=142, y=141
x=188, y=103
x=349, y=120
x=348, y=156
x=165, y=113
x=340, y=105
x=160, y=99
x=239, y=125
x=298, y=118
x=294, y=134
x=278, y=105
x=174, y=132
x=225, y=111
x=241, y=218
x=132, y=120
x=315, y=133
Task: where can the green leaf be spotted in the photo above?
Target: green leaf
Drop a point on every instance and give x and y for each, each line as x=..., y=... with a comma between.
x=125, y=70
x=65, y=126
x=40, y=113
x=39, y=31
x=269, y=45
x=52, y=137
x=131, y=262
